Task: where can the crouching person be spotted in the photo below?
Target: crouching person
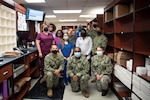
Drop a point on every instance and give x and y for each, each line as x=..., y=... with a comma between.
x=102, y=68
x=78, y=69
x=53, y=65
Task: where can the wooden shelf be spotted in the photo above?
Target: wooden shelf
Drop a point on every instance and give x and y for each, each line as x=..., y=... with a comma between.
x=141, y=41
x=131, y=34
x=145, y=77
x=23, y=91
x=124, y=41
x=124, y=24
x=142, y=20
x=32, y=69
x=108, y=27
x=141, y=4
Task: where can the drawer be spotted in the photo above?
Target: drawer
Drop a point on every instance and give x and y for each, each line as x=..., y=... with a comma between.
x=5, y=72
x=32, y=57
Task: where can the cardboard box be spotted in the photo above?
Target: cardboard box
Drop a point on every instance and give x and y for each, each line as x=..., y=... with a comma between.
x=108, y=16
x=122, y=57
x=120, y=10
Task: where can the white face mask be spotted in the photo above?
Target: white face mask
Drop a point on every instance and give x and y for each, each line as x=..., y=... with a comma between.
x=99, y=53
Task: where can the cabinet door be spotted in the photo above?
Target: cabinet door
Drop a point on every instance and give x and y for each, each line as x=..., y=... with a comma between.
x=5, y=72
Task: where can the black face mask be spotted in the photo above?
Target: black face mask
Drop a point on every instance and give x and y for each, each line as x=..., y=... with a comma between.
x=99, y=32
x=83, y=34
x=94, y=25
x=54, y=51
x=46, y=29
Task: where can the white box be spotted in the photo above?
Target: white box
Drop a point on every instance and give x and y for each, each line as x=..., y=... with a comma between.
x=145, y=87
x=140, y=70
x=144, y=96
x=134, y=97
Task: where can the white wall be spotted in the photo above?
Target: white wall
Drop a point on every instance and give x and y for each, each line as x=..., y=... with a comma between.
x=60, y=24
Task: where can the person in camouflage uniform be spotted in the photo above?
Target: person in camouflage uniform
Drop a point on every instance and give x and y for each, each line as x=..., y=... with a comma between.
x=92, y=31
x=102, y=69
x=99, y=41
x=53, y=65
x=78, y=68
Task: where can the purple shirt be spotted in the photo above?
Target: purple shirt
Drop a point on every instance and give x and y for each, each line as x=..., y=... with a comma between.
x=45, y=42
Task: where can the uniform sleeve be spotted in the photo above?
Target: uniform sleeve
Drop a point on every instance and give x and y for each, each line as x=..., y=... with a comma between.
x=108, y=66
x=70, y=68
x=93, y=48
x=47, y=66
x=61, y=67
x=86, y=68
x=104, y=42
x=93, y=65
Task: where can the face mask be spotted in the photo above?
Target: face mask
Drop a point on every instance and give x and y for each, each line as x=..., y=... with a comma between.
x=99, y=32
x=65, y=31
x=59, y=34
x=77, y=54
x=54, y=51
x=79, y=29
x=94, y=25
x=45, y=29
x=83, y=34
x=65, y=37
x=99, y=53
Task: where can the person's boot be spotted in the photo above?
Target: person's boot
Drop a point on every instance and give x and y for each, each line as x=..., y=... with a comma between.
x=50, y=92
x=43, y=79
x=85, y=94
x=93, y=81
x=104, y=92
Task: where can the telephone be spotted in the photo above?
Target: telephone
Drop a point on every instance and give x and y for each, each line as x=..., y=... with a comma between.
x=16, y=48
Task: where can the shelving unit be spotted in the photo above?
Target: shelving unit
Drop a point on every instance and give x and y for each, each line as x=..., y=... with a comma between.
x=126, y=26
x=7, y=29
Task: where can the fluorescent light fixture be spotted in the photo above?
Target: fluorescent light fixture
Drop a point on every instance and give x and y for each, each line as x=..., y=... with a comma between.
x=50, y=16
x=35, y=1
x=68, y=20
x=88, y=16
x=67, y=11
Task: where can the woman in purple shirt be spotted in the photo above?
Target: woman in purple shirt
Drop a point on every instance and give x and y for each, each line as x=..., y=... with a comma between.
x=44, y=41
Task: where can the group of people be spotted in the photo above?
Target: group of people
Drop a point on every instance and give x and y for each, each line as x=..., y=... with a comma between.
x=74, y=57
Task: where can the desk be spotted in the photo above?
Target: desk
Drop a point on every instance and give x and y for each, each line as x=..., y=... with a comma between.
x=31, y=70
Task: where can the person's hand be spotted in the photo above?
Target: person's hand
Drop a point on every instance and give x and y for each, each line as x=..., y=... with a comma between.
x=40, y=55
x=57, y=73
x=98, y=77
x=75, y=78
x=67, y=58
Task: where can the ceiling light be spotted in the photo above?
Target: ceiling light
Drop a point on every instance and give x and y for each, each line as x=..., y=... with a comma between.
x=35, y=1
x=88, y=16
x=68, y=20
x=67, y=11
x=50, y=16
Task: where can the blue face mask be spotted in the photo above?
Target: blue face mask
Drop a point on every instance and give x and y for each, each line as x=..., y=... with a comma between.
x=77, y=54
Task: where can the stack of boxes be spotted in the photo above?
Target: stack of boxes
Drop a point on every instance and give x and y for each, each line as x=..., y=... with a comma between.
x=141, y=87
x=123, y=75
x=122, y=9
x=121, y=58
x=147, y=65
